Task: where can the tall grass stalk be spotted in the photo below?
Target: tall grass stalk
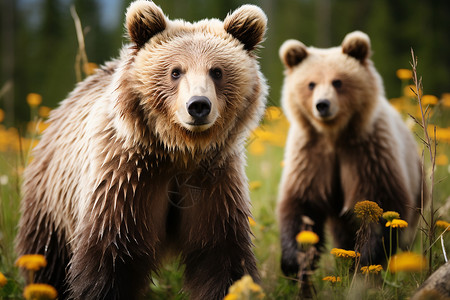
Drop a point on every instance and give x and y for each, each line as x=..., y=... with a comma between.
x=430, y=144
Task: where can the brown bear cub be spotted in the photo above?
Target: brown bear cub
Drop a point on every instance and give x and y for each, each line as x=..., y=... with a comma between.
x=145, y=158
x=346, y=144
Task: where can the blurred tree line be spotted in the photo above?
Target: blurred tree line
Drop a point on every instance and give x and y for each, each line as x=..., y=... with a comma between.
x=38, y=42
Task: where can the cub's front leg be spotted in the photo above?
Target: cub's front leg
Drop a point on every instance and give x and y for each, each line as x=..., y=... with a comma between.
x=215, y=232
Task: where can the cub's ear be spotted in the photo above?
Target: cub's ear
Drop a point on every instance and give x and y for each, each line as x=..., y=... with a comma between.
x=357, y=44
x=292, y=52
x=144, y=19
x=247, y=24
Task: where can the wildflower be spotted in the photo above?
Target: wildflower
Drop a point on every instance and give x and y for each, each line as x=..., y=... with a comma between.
x=441, y=160
x=39, y=291
x=44, y=111
x=34, y=99
x=391, y=215
x=443, y=224
x=273, y=113
x=372, y=269
x=254, y=185
x=344, y=253
x=251, y=221
x=256, y=148
x=31, y=262
x=89, y=68
x=404, y=74
x=397, y=223
x=307, y=237
x=368, y=211
x=429, y=100
x=3, y=280
x=410, y=91
x=407, y=262
x=332, y=279
x=243, y=288
x=446, y=99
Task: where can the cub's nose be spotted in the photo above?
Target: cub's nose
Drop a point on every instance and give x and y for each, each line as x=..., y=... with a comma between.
x=323, y=107
x=198, y=107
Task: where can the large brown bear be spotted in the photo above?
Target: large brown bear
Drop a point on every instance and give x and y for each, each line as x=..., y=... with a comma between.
x=346, y=144
x=145, y=159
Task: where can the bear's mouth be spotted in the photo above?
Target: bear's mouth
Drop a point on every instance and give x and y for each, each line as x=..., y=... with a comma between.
x=197, y=126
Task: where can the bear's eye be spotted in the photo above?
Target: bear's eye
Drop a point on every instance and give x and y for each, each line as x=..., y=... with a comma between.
x=311, y=85
x=176, y=73
x=215, y=73
x=337, y=83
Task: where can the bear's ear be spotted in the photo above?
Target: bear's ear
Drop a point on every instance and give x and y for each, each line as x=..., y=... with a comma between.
x=247, y=24
x=144, y=19
x=292, y=52
x=357, y=44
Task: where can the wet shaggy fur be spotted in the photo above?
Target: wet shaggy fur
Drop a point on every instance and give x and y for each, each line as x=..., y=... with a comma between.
x=356, y=148
x=123, y=175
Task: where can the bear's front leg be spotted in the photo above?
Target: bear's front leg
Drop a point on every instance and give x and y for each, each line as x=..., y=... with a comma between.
x=118, y=239
x=215, y=232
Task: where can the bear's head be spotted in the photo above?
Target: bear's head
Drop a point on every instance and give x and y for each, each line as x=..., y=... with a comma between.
x=193, y=87
x=332, y=88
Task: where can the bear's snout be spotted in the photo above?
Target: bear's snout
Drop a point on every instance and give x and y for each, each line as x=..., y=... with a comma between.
x=198, y=107
x=323, y=107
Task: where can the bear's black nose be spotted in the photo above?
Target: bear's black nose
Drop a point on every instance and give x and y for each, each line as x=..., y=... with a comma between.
x=323, y=107
x=199, y=107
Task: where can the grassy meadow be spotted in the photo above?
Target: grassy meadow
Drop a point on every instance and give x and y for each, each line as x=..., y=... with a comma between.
x=265, y=164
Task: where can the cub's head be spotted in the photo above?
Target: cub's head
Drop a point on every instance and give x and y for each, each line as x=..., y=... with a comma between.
x=330, y=88
x=193, y=86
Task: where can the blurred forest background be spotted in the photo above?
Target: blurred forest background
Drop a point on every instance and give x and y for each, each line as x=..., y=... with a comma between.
x=38, y=42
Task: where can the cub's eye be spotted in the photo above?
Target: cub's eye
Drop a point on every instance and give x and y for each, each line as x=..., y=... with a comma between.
x=337, y=83
x=176, y=73
x=311, y=85
x=215, y=73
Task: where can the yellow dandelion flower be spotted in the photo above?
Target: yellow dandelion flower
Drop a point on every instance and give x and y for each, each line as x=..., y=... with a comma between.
x=429, y=100
x=397, y=223
x=40, y=291
x=332, y=279
x=256, y=148
x=344, y=253
x=407, y=262
x=44, y=111
x=307, y=237
x=404, y=74
x=372, y=269
x=231, y=297
x=445, y=100
x=441, y=160
x=273, y=113
x=410, y=91
x=368, y=211
x=32, y=262
x=34, y=99
x=3, y=280
x=2, y=115
x=89, y=68
x=254, y=185
x=443, y=224
x=251, y=221
x=391, y=215
x=244, y=286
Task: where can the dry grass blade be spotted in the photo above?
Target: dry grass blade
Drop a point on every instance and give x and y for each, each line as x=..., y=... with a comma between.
x=430, y=144
x=81, y=58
